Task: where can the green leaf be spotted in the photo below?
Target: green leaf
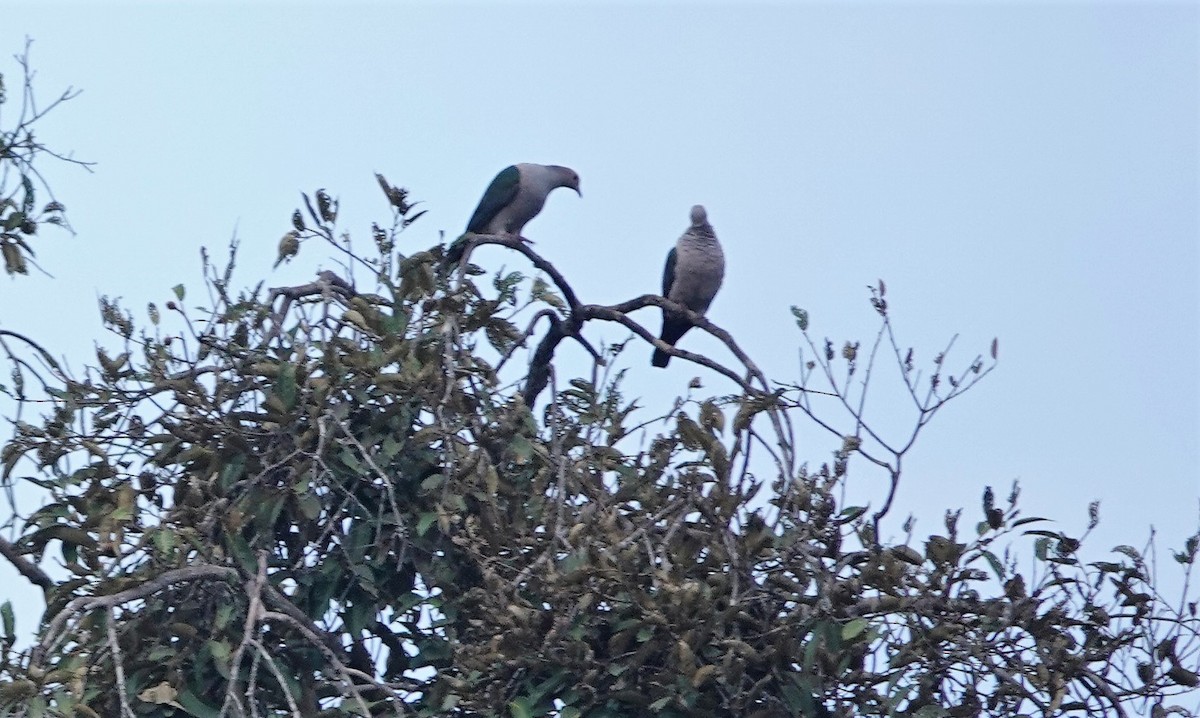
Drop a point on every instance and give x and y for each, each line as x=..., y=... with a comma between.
x=656, y=706
x=232, y=471
x=28, y=200
x=519, y=708
x=507, y=284
x=357, y=616
x=1047, y=534
x=310, y=506
x=521, y=448
x=196, y=707
x=997, y=567
x=285, y=386
x=1129, y=551
x=36, y=707
x=931, y=712
x=541, y=291
x=801, y=318
x=220, y=650
x=395, y=323
x=241, y=551
x=10, y=621
x=164, y=540
x=179, y=291
x=711, y=417
x=389, y=448
x=352, y=462
x=13, y=220
x=810, y=653
x=427, y=519
x=224, y=614
x=691, y=433
x=854, y=628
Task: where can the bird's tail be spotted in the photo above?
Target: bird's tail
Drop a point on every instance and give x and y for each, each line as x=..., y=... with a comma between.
x=673, y=330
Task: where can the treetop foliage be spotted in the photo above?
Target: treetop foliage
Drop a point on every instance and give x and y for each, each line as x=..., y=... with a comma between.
x=348, y=498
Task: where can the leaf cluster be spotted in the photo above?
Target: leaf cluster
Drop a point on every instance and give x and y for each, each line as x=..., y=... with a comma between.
x=21, y=179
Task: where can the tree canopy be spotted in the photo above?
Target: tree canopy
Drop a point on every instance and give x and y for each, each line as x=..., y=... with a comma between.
x=364, y=496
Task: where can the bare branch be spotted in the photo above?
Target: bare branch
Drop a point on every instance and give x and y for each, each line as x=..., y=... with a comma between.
x=84, y=604
x=115, y=647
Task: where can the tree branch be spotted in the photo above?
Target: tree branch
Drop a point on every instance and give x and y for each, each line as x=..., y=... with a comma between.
x=83, y=604
x=24, y=566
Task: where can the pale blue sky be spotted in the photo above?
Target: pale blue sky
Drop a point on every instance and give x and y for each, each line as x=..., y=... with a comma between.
x=1020, y=170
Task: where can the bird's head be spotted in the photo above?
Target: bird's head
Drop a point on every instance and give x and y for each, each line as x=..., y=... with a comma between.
x=568, y=177
x=699, y=216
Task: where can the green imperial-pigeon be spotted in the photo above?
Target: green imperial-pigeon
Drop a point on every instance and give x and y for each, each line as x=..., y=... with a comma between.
x=517, y=195
x=695, y=268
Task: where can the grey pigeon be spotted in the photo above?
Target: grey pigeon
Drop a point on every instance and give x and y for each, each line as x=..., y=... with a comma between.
x=695, y=268
x=517, y=195
x=514, y=197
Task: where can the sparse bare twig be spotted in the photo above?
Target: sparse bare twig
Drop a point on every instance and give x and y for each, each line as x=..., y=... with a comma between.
x=254, y=590
x=114, y=646
x=344, y=671
x=279, y=679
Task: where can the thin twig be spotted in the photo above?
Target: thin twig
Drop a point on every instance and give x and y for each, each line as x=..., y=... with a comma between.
x=115, y=646
x=337, y=664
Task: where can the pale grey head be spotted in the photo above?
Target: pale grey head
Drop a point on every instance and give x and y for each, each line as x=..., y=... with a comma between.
x=566, y=177
x=699, y=216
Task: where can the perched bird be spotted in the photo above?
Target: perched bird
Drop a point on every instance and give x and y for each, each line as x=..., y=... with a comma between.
x=513, y=198
x=517, y=195
x=695, y=268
